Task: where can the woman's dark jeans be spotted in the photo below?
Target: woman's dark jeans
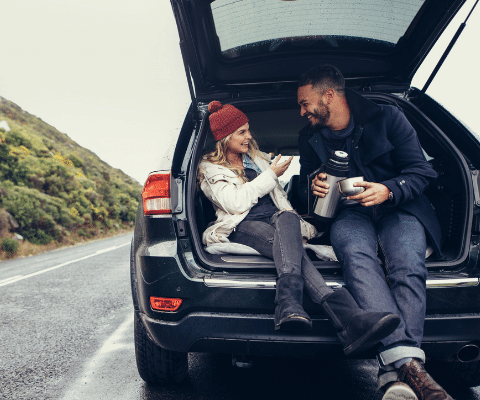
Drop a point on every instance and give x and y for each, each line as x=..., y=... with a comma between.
x=280, y=238
x=399, y=286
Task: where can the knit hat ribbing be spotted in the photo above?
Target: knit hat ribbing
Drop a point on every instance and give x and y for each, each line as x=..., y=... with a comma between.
x=225, y=119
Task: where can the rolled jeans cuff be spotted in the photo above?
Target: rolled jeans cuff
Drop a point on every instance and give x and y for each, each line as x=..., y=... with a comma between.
x=387, y=372
x=387, y=377
x=389, y=356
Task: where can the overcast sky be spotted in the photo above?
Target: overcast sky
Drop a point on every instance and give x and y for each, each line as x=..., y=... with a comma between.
x=108, y=73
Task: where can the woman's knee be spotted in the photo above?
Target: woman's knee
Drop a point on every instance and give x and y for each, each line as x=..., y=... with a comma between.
x=289, y=215
x=286, y=218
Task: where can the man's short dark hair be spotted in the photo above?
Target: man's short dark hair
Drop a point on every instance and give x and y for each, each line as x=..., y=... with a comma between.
x=322, y=78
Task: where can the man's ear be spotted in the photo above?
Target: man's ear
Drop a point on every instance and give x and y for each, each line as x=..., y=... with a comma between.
x=329, y=95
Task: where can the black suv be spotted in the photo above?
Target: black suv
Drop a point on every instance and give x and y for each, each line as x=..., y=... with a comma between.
x=250, y=54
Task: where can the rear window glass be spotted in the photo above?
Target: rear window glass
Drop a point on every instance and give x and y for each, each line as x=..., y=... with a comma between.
x=246, y=27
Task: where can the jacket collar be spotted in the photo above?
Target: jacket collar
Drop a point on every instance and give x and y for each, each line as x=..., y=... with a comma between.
x=361, y=108
x=318, y=144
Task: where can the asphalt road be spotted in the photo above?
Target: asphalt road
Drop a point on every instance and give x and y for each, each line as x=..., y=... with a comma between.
x=66, y=332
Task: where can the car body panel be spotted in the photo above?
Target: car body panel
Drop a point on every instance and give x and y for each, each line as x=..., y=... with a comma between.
x=251, y=334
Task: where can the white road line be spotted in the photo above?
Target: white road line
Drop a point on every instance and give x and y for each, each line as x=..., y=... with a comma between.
x=22, y=277
x=13, y=278
x=89, y=383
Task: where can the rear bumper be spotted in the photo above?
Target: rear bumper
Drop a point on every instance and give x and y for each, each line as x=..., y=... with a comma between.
x=254, y=334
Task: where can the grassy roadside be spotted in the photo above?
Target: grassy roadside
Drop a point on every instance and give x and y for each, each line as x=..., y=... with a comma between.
x=27, y=249
x=53, y=192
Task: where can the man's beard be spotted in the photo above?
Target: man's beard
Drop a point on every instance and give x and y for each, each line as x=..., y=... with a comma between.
x=320, y=115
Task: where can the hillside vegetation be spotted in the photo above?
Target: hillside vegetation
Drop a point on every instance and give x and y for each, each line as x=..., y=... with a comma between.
x=55, y=190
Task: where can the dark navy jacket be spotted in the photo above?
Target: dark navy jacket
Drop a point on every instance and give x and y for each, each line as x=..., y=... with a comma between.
x=386, y=148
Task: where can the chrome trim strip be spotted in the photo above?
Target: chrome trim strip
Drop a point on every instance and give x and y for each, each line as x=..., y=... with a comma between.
x=247, y=259
x=239, y=283
x=452, y=282
x=251, y=282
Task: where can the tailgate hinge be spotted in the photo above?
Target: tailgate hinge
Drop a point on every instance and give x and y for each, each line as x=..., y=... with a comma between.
x=476, y=186
x=177, y=195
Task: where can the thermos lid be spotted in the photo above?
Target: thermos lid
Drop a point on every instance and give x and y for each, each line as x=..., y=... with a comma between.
x=337, y=164
x=340, y=154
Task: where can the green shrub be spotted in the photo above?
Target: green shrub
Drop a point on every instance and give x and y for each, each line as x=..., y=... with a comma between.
x=18, y=139
x=9, y=246
x=8, y=164
x=38, y=236
x=87, y=218
x=77, y=162
x=37, y=214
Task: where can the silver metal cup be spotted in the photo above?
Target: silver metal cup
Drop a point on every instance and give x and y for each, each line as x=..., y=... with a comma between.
x=346, y=188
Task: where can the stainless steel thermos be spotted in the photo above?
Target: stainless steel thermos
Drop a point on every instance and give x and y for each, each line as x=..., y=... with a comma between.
x=336, y=168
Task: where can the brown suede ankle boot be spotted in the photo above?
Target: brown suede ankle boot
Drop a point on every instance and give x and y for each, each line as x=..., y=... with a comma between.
x=414, y=375
x=358, y=330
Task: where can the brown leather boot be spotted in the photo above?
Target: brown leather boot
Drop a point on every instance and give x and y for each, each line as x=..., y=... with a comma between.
x=414, y=375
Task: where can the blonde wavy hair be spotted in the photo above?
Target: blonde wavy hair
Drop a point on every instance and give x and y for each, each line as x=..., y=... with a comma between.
x=219, y=156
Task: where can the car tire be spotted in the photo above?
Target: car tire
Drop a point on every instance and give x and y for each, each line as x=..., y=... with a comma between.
x=133, y=282
x=157, y=366
x=455, y=374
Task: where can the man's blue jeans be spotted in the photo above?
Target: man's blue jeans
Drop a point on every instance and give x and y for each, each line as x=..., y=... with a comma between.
x=398, y=286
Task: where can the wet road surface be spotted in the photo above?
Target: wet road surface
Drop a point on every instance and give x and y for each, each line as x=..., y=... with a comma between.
x=66, y=332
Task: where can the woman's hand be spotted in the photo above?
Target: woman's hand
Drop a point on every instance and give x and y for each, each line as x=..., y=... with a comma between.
x=375, y=193
x=280, y=168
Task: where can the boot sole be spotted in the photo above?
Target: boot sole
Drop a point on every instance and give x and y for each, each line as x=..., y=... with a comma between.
x=294, y=324
x=397, y=392
x=377, y=332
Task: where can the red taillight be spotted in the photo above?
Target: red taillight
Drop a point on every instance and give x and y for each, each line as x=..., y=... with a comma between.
x=156, y=194
x=165, y=304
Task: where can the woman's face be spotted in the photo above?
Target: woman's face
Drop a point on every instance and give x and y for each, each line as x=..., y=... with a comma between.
x=239, y=140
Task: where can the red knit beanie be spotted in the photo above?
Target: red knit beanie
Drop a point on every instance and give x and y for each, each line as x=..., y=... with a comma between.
x=225, y=120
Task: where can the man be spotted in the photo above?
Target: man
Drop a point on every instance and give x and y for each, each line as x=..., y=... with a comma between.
x=391, y=218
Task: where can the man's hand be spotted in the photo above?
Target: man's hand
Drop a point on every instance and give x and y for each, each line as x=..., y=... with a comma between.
x=319, y=186
x=280, y=168
x=375, y=193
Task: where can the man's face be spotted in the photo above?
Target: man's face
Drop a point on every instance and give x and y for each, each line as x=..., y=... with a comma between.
x=312, y=106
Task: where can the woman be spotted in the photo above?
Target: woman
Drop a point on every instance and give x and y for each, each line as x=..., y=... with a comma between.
x=252, y=209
